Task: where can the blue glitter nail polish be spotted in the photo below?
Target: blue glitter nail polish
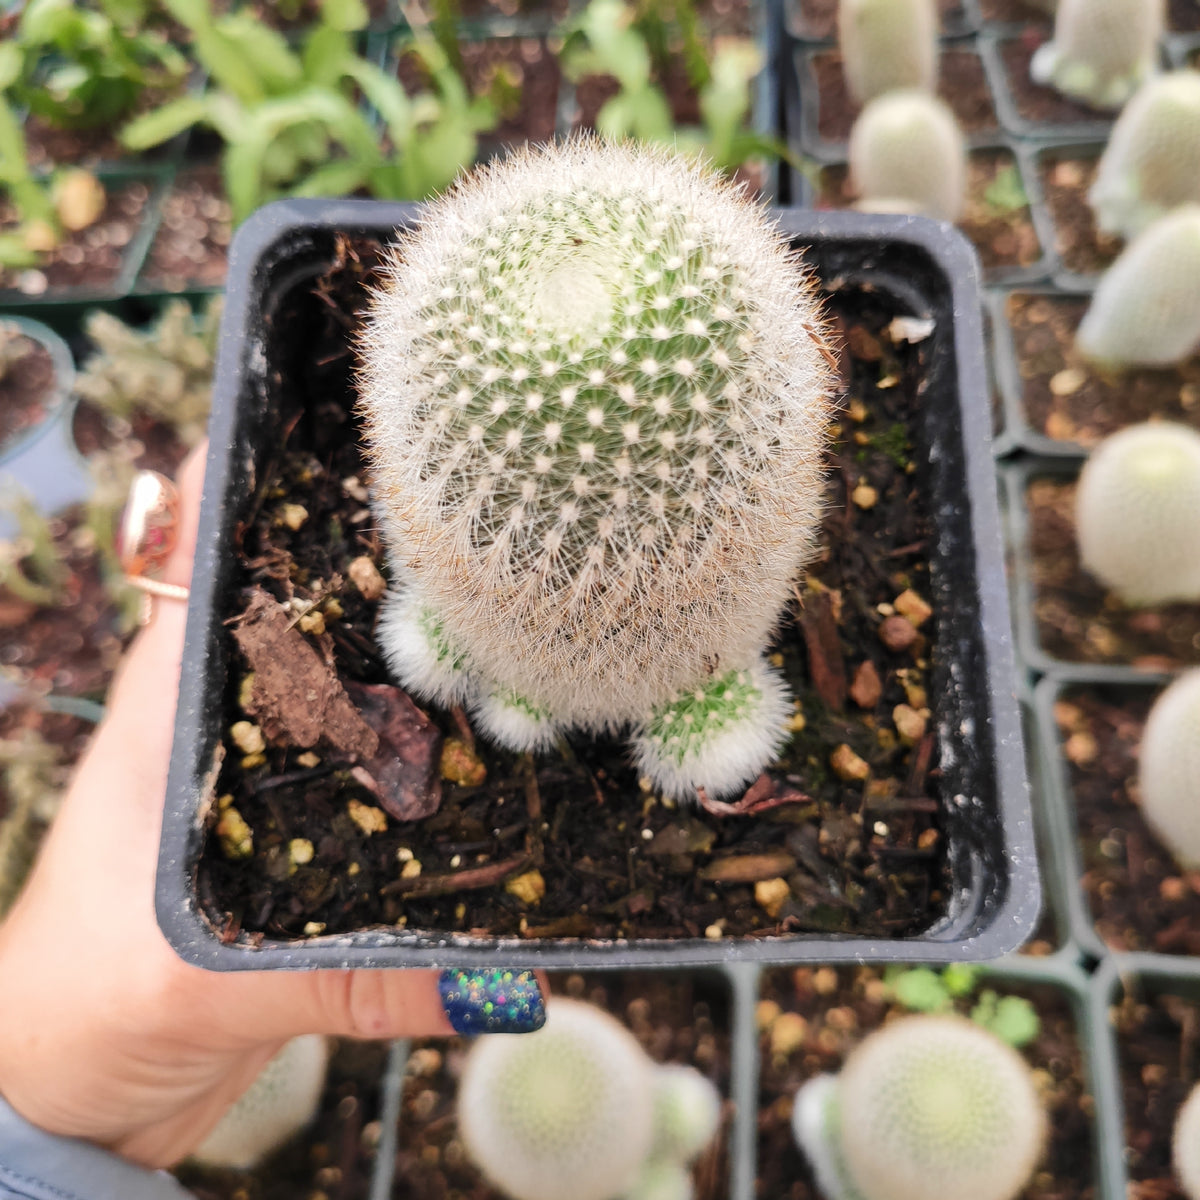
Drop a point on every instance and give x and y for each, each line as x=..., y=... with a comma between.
x=492, y=1001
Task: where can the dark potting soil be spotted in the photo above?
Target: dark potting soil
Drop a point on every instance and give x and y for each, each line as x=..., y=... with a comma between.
x=1034, y=102
x=1139, y=897
x=818, y=18
x=1157, y=1053
x=1077, y=620
x=1080, y=245
x=1068, y=399
x=996, y=218
x=91, y=259
x=569, y=844
x=550, y=11
x=27, y=383
x=810, y=1019
x=962, y=84
x=48, y=146
x=333, y=1158
x=677, y=1018
x=528, y=75
x=191, y=246
x=1014, y=12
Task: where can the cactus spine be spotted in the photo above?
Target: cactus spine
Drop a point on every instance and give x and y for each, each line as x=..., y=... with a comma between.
x=907, y=154
x=595, y=404
x=1152, y=161
x=1168, y=768
x=886, y=45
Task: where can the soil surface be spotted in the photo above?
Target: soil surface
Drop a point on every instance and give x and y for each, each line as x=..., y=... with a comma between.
x=838, y=1007
x=1034, y=102
x=1139, y=897
x=1069, y=400
x=27, y=384
x=1015, y=12
x=1159, y=1060
x=1080, y=245
x=816, y=19
x=961, y=83
x=677, y=1018
x=333, y=1158
x=1077, y=620
x=191, y=246
x=569, y=845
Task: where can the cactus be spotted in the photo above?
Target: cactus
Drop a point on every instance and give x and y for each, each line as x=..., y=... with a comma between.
x=907, y=154
x=937, y=1108
x=595, y=402
x=1101, y=51
x=687, y=1110
x=1152, y=161
x=887, y=45
x=281, y=1101
x=1168, y=767
x=1135, y=513
x=1185, y=1144
x=1146, y=309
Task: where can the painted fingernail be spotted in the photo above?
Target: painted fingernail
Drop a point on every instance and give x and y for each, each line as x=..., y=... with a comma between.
x=492, y=1001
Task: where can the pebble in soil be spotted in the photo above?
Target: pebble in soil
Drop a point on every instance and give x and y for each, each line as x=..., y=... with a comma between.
x=569, y=844
x=811, y=1018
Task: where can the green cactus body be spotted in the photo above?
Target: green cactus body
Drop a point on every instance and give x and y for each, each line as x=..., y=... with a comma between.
x=1185, y=1145
x=1152, y=161
x=1102, y=50
x=595, y=405
x=1146, y=309
x=887, y=45
x=908, y=154
x=1168, y=768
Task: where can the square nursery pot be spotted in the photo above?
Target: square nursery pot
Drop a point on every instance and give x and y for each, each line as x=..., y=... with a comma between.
x=976, y=799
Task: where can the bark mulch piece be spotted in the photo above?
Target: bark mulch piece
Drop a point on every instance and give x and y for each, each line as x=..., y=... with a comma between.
x=334, y=1157
x=191, y=246
x=1077, y=619
x=1157, y=1054
x=1033, y=101
x=1068, y=399
x=677, y=1018
x=961, y=83
x=27, y=382
x=862, y=857
x=818, y=18
x=1081, y=246
x=91, y=259
x=837, y=1007
x=1140, y=898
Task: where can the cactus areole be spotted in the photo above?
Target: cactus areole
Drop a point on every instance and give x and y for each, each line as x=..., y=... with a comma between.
x=595, y=401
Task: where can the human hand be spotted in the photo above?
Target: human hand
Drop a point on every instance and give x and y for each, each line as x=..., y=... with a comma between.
x=104, y=1033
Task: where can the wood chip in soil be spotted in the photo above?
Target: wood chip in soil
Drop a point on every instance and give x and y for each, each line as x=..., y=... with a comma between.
x=1070, y=400
x=1080, y=245
x=837, y=1007
x=191, y=246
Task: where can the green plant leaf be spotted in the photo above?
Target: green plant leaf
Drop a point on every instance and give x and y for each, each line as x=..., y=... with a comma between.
x=14, y=253
x=347, y=15
x=919, y=989
x=1006, y=193
x=12, y=64
x=960, y=979
x=161, y=124
x=332, y=179
x=1013, y=1019
x=326, y=52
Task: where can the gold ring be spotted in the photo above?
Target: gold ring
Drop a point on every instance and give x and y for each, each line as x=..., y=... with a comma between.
x=148, y=534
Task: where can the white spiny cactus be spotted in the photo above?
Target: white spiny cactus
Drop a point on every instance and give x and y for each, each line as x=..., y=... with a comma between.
x=595, y=403
x=908, y=154
x=1185, y=1145
x=1102, y=50
x=1146, y=309
x=662, y=1180
x=1152, y=161
x=936, y=1108
x=887, y=44
x=1168, y=775
x=280, y=1102
x=687, y=1110
x=565, y=1111
x=1136, y=512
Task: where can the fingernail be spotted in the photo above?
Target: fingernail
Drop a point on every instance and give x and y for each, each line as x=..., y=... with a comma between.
x=492, y=1001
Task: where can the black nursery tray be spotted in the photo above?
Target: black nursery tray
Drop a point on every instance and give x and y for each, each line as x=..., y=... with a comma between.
x=987, y=893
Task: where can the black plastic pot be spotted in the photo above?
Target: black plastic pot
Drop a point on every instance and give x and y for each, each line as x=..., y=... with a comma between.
x=928, y=270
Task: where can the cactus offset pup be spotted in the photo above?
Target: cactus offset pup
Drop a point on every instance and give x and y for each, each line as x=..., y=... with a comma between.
x=595, y=401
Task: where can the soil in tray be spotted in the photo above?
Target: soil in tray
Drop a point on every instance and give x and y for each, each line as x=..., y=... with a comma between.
x=27, y=384
x=837, y=1007
x=1139, y=897
x=1014, y=12
x=333, y=1157
x=1066, y=399
x=677, y=1018
x=191, y=246
x=1034, y=102
x=1080, y=245
x=608, y=857
x=1076, y=618
x=90, y=260
x=961, y=83
x=996, y=219
x=1159, y=1061
x=818, y=18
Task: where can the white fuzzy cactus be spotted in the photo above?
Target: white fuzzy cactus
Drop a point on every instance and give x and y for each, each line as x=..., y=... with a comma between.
x=887, y=44
x=1152, y=161
x=1168, y=775
x=1136, y=512
x=281, y=1101
x=907, y=154
x=936, y=1108
x=1185, y=1145
x=1102, y=50
x=595, y=404
x=687, y=1110
x=1146, y=308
